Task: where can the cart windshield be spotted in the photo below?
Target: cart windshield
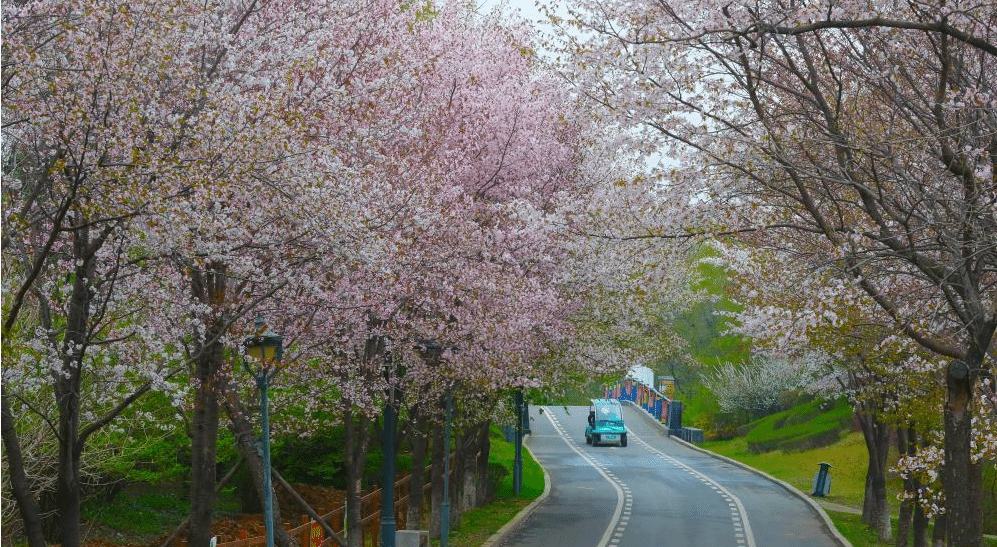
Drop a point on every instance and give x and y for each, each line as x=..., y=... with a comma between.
x=608, y=415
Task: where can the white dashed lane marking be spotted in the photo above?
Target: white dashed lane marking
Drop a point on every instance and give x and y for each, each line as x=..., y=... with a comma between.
x=624, y=497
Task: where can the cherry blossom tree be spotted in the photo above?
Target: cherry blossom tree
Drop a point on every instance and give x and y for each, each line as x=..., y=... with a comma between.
x=73, y=192
x=465, y=249
x=885, y=377
x=364, y=176
x=843, y=122
x=123, y=112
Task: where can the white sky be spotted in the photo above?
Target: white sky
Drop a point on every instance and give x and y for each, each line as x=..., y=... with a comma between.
x=526, y=7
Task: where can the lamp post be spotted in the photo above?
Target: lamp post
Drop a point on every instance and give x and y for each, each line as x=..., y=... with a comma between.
x=517, y=465
x=267, y=348
x=445, y=506
x=431, y=351
x=388, y=466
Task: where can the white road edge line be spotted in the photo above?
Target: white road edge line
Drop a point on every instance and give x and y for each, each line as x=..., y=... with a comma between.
x=748, y=535
x=608, y=534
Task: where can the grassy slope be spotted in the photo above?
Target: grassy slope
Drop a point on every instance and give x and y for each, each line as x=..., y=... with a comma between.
x=847, y=457
x=849, y=460
x=808, y=425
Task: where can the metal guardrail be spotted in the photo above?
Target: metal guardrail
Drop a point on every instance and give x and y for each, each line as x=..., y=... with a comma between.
x=660, y=407
x=647, y=397
x=692, y=435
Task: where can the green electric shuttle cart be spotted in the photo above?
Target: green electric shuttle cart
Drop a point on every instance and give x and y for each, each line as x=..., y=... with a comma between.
x=605, y=423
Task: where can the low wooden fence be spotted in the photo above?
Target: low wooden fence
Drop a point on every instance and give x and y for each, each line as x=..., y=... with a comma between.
x=310, y=533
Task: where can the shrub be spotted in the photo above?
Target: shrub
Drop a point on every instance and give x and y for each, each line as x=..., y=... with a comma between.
x=758, y=386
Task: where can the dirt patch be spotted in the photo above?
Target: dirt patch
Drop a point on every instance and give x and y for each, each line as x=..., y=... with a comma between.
x=322, y=500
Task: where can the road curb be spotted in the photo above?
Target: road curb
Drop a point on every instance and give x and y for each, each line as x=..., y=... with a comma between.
x=498, y=536
x=788, y=487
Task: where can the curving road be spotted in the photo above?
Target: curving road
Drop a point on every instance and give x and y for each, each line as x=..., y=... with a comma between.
x=655, y=492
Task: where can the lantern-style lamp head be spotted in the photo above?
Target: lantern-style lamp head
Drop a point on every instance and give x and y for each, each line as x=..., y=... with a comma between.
x=266, y=347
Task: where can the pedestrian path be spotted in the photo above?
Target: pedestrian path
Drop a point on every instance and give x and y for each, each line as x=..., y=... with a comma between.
x=838, y=508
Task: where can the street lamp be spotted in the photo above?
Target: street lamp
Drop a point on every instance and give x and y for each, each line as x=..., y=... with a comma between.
x=431, y=351
x=267, y=348
x=445, y=506
x=388, y=442
x=517, y=464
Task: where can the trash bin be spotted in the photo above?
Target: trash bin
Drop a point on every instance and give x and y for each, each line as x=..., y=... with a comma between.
x=822, y=482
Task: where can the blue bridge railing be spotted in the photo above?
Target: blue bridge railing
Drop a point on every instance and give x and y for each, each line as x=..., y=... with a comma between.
x=654, y=402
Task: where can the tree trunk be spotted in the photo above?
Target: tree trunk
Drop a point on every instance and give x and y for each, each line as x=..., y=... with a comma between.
x=485, y=493
x=457, y=467
x=249, y=496
x=904, y=523
x=920, y=528
x=939, y=532
x=204, y=447
x=26, y=503
x=66, y=388
x=357, y=435
x=476, y=470
x=468, y=484
x=875, y=509
x=209, y=288
x=961, y=478
x=912, y=523
x=67, y=486
x=906, y=437
x=183, y=525
x=417, y=480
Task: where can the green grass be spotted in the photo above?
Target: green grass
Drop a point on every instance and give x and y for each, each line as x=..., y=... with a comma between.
x=860, y=535
x=848, y=459
x=477, y=525
x=137, y=516
x=810, y=425
x=856, y=531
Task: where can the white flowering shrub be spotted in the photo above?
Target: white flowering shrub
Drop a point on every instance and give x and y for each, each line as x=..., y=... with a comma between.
x=758, y=386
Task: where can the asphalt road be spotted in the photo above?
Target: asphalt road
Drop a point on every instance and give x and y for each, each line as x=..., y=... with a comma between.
x=655, y=492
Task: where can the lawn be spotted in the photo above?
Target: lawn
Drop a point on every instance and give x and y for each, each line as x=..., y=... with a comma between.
x=848, y=459
x=477, y=525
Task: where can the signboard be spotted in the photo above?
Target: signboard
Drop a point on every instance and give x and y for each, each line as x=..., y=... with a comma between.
x=666, y=385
